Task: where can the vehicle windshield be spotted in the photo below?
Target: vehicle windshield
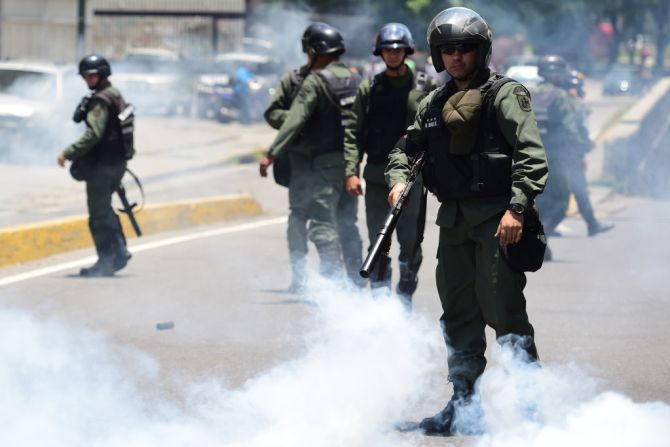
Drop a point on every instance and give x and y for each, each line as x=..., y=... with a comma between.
x=620, y=74
x=26, y=84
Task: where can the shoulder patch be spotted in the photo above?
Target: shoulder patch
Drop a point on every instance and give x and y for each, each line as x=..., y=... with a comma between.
x=522, y=97
x=97, y=110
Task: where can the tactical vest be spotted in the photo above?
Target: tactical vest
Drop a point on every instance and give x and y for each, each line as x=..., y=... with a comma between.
x=116, y=143
x=486, y=171
x=390, y=110
x=328, y=125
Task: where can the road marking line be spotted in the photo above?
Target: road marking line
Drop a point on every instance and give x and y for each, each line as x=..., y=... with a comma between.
x=140, y=248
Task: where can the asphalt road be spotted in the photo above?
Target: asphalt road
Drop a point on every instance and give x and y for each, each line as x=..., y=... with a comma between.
x=601, y=306
x=246, y=363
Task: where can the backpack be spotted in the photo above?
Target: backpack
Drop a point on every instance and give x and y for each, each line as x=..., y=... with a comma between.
x=341, y=91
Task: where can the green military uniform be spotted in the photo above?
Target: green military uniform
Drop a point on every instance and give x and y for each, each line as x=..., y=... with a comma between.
x=108, y=172
x=476, y=285
x=347, y=208
x=381, y=115
x=312, y=134
x=566, y=141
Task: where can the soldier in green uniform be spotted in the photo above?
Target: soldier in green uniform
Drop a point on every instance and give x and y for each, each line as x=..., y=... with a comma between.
x=385, y=106
x=486, y=164
x=312, y=134
x=101, y=152
x=347, y=209
x=561, y=120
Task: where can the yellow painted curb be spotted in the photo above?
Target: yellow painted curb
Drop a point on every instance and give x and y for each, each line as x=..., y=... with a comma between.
x=29, y=242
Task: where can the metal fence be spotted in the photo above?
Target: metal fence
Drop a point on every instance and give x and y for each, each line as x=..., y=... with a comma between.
x=47, y=29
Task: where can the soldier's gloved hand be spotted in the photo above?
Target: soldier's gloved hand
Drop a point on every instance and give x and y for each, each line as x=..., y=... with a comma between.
x=353, y=186
x=395, y=192
x=265, y=164
x=510, y=228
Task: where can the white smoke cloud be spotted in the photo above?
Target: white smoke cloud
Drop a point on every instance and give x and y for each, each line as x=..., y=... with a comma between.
x=365, y=364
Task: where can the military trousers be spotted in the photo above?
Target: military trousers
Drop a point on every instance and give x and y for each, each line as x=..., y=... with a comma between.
x=477, y=288
x=553, y=202
x=315, y=189
x=349, y=236
x=103, y=221
x=376, y=209
x=578, y=185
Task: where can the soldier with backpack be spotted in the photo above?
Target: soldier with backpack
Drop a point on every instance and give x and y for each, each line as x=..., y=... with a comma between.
x=486, y=164
x=99, y=158
x=385, y=106
x=298, y=219
x=312, y=134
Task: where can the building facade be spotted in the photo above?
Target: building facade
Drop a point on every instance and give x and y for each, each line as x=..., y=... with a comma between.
x=47, y=29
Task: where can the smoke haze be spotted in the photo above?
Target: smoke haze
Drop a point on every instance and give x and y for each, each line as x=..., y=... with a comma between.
x=366, y=365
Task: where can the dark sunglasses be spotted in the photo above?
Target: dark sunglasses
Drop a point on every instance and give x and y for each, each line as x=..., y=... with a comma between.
x=462, y=48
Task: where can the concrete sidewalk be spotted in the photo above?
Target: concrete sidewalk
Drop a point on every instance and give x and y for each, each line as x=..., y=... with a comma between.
x=185, y=161
x=171, y=155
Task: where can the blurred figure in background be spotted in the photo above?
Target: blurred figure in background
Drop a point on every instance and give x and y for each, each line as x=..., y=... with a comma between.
x=241, y=81
x=99, y=158
x=561, y=118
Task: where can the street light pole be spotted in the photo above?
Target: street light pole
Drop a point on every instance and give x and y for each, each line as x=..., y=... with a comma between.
x=81, y=28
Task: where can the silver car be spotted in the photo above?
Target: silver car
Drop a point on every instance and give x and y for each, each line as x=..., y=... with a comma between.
x=36, y=104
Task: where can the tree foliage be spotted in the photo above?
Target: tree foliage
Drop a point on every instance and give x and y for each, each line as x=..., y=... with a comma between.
x=552, y=25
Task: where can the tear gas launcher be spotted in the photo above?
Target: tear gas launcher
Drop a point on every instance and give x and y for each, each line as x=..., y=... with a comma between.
x=382, y=244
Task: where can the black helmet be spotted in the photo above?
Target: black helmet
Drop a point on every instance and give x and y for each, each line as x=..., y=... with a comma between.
x=94, y=63
x=321, y=38
x=394, y=35
x=553, y=69
x=308, y=32
x=459, y=25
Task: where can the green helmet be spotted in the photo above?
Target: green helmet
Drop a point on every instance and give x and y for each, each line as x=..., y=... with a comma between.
x=459, y=25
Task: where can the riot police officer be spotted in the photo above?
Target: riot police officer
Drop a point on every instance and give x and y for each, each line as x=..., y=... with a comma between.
x=347, y=209
x=486, y=164
x=385, y=106
x=561, y=120
x=312, y=134
x=99, y=158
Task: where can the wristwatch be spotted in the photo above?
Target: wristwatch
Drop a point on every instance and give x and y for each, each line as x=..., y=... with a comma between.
x=516, y=208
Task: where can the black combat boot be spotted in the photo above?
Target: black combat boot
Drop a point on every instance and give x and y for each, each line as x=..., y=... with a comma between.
x=104, y=266
x=461, y=409
x=380, y=276
x=121, y=254
x=298, y=273
x=408, y=282
x=330, y=257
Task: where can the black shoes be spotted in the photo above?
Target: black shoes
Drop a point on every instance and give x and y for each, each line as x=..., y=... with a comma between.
x=441, y=423
x=107, y=265
x=100, y=269
x=599, y=227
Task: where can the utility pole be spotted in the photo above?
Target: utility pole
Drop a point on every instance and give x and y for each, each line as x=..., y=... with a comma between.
x=81, y=28
x=2, y=19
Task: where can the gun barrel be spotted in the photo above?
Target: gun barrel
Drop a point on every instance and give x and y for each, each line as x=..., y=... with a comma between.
x=382, y=244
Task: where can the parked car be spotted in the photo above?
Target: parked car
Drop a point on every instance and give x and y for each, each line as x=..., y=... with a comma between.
x=215, y=95
x=622, y=80
x=157, y=81
x=525, y=74
x=37, y=100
